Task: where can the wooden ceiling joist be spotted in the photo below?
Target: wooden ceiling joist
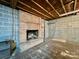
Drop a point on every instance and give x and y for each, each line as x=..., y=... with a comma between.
x=31, y=12
x=70, y=2
x=63, y=6
x=52, y=7
x=68, y=6
x=75, y=4
x=42, y=8
x=13, y=3
x=68, y=13
x=4, y=1
x=34, y=9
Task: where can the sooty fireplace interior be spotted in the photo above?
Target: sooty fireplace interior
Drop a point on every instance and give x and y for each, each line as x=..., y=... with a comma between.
x=32, y=34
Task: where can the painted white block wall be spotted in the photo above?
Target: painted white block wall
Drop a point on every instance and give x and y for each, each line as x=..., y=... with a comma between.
x=46, y=30
x=65, y=28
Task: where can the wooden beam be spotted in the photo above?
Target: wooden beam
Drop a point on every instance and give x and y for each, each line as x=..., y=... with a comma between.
x=70, y=2
x=63, y=6
x=33, y=9
x=4, y=1
x=42, y=8
x=31, y=12
x=52, y=7
x=70, y=13
x=75, y=4
x=13, y=3
x=68, y=5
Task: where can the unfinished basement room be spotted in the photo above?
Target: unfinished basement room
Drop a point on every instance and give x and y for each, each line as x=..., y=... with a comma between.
x=39, y=29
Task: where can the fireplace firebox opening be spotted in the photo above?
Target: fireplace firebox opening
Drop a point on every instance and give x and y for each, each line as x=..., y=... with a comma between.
x=32, y=34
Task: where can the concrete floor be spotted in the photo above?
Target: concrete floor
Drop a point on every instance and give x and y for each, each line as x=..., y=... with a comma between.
x=5, y=54
x=52, y=49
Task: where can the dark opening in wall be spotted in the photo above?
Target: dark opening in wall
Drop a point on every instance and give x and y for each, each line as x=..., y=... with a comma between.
x=32, y=34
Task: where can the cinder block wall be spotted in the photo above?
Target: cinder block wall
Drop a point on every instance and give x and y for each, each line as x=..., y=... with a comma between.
x=30, y=22
x=6, y=21
x=65, y=28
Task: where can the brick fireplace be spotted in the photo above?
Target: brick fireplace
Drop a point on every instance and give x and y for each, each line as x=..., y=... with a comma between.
x=30, y=25
x=31, y=30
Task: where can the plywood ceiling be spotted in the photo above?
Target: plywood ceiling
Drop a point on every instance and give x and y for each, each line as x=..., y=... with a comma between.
x=46, y=9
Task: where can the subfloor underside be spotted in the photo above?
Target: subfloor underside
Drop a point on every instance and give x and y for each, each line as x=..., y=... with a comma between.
x=51, y=50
